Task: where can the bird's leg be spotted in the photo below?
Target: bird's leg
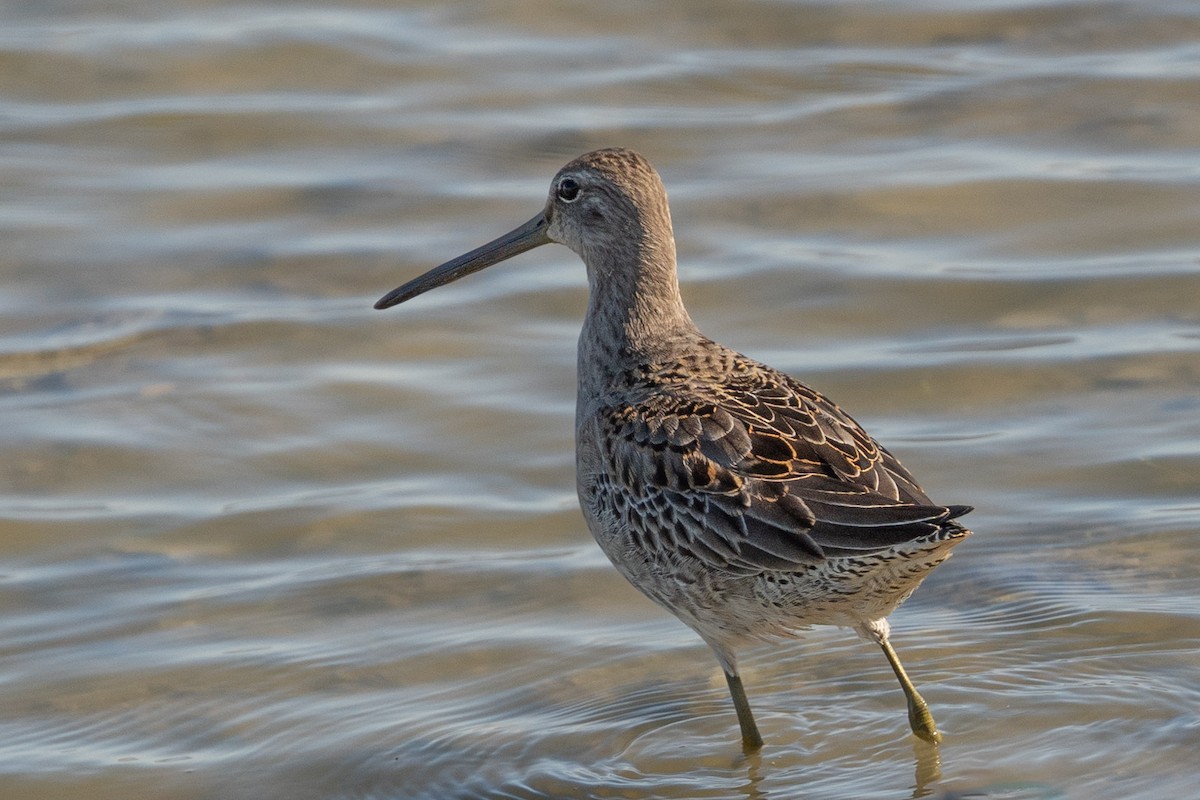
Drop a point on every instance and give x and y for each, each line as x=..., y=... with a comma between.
x=919, y=718
x=751, y=738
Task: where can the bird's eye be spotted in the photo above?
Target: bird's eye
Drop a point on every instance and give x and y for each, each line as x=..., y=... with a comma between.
x=568, y=190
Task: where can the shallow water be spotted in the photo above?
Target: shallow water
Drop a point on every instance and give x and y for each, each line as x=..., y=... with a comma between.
x=259, y=540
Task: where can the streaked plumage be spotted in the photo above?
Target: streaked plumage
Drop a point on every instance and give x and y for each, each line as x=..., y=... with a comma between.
x=741, y=500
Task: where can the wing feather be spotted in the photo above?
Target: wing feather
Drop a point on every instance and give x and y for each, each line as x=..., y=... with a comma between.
x=757, y=471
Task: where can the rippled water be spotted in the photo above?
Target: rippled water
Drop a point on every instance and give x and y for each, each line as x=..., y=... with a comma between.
x=259, y=540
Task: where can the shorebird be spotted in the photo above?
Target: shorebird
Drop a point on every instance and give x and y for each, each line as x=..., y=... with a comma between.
x=742, y=501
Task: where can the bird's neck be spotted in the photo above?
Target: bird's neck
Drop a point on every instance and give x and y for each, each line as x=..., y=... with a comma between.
x=635, y=312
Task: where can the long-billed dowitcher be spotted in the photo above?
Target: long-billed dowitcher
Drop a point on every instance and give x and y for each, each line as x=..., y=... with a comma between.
x=744, y=502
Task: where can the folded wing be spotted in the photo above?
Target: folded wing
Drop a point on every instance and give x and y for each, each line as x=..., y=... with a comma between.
x=761, y=472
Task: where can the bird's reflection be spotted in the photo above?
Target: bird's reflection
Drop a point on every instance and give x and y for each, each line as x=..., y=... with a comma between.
x=927, y=768
x=927, y=758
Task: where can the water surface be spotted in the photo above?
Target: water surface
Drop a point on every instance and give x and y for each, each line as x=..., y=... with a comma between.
x=259, y=540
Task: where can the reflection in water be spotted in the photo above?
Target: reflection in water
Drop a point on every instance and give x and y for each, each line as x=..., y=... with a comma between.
x=927, y=759
x=753, y=788
x=927, y=768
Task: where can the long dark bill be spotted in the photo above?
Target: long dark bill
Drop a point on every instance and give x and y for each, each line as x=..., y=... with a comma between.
x=528, y=236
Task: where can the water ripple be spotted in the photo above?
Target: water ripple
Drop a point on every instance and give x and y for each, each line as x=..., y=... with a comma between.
x=261, y=541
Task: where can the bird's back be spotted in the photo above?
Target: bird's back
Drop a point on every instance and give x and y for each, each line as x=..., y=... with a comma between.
x=705, y=468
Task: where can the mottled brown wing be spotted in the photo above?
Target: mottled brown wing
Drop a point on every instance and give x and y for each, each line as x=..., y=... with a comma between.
x=763, y=472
